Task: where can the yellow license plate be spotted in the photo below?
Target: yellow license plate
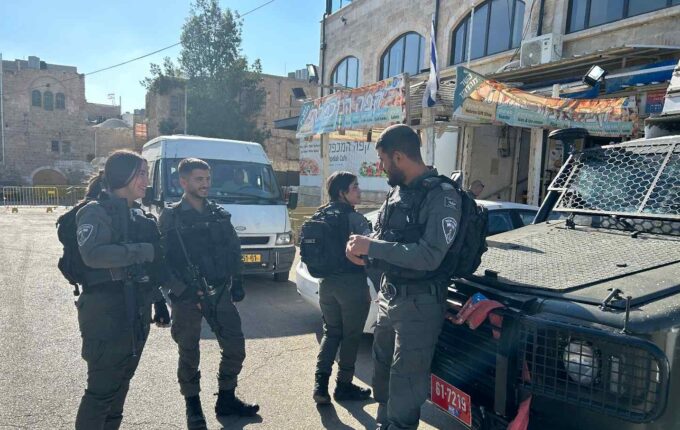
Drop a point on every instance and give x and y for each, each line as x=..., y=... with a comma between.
x=251, y=258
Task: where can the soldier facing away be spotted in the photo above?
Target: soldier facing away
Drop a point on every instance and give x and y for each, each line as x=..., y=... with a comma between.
x=416, y=228
x=204, y=253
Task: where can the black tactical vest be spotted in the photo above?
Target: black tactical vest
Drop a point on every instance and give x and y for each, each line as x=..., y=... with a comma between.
x=399, y=222
x=131, y=225
x=207, y=238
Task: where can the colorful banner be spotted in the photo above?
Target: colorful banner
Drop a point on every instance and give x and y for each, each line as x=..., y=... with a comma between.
x=376, y=105
x=480, y=98
x=357, y=157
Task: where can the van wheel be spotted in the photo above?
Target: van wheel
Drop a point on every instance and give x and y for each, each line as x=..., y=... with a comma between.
x=281, y=277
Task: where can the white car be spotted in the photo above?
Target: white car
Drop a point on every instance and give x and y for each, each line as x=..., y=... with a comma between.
x=503, y=216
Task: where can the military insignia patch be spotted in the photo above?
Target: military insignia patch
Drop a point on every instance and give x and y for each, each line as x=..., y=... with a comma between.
x=450, y=226
x=84, y=232
x=449, y=202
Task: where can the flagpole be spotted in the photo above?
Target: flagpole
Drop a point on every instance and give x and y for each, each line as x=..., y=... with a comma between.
x=430, y=97
x=469, y=39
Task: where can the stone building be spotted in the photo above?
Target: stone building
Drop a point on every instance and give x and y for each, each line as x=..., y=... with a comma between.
x=364, y=41
x=281, y=146
x=48, y=139
x=165, y=111
x=165, y=115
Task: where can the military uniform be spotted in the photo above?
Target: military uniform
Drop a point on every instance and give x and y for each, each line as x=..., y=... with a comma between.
x=416, y=227
x=214, y=248
x=345, y=300
x=117, y=243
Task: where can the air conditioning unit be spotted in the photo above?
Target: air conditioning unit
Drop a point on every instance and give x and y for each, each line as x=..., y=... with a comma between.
x=540, y=50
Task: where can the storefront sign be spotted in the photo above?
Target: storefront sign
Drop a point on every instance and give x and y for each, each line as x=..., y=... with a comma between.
x=654, y=101
x=376, y=105
x=357, y=157
x=478, y=98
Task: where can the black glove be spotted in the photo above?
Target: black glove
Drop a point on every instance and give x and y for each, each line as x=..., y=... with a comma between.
x=237, y=291
x=161, y=316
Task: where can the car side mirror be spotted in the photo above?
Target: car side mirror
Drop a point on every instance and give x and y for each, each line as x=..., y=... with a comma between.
x=292, y=198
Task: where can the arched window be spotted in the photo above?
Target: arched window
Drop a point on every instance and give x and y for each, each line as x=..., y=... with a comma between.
x=405, y=55
x=497, y=26
x=36, y=98
x=588, y=13
x=60, y=101
x=346, y=73
x=48, y=100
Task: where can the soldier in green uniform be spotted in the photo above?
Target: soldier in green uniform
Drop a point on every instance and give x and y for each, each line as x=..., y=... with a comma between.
x=344, y=299
x=416, y=227
x=204, y=254
x=119, y=245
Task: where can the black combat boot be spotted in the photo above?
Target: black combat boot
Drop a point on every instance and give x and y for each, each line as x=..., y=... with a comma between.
x=229, y=404
x=349, y=391
x=321, y=396
x=195, y=418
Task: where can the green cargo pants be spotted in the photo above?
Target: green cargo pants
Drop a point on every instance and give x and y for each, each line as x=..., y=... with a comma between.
x=345, y=301
x=403, y=347
x=107, y=350
x=186, y=331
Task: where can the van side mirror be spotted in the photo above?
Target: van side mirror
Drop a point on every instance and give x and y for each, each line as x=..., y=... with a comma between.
x=147, y=200
x=292, y=198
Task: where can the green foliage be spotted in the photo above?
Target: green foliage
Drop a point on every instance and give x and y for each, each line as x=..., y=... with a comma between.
x=164, y=79
x=224, y=93
x=168, y=126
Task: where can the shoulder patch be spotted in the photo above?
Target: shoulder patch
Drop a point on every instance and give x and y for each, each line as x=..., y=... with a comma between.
x=449, y=226
x=84, y=232
x=449, y=202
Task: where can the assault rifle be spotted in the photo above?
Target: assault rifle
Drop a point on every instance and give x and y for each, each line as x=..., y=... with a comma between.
x=208, y=294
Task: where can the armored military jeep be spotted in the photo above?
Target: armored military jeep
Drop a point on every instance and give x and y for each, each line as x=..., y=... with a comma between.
x=587, y=321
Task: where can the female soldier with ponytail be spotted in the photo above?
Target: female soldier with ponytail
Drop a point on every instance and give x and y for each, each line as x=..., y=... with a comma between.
x=118, y=243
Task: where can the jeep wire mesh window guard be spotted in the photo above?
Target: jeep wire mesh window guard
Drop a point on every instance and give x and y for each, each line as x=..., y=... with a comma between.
x=630, y=180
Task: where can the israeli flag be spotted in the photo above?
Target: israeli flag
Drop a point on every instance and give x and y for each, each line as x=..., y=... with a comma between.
x=432, y=86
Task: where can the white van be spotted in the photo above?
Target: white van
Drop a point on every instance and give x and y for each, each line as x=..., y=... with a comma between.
x=243, y=182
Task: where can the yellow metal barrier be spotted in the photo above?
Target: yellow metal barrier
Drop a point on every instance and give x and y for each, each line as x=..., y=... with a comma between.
x=48, y=197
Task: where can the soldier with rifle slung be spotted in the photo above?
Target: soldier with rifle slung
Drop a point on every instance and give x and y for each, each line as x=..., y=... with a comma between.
x=120, y=249
x=204, y=253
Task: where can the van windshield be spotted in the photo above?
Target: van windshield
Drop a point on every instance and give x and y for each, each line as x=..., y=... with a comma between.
x=232, y=182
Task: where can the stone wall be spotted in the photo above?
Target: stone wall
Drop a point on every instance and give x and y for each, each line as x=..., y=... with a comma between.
x=282, y=147
x=366, y=28
x=169, y=107
x=37, y=139
x=43, y=145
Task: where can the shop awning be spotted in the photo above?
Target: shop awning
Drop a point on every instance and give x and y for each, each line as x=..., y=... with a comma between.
x=290, y=123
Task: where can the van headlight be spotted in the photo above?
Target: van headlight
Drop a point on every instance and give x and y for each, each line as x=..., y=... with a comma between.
x=284, y=238
x=581, y=362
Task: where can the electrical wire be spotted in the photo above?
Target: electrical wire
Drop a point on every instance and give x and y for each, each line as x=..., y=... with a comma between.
x=125, y=62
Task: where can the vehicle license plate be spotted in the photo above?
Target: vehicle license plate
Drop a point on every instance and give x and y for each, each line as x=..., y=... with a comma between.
x=451, y=400
x=252, y=258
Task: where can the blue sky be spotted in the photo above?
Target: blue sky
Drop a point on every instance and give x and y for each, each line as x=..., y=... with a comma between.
x=93, y=35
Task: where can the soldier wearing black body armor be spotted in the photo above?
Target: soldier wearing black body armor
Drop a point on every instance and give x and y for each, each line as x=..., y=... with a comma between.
x=205, y=280
x=123, y=267
x=416, y=228
x=343, y=296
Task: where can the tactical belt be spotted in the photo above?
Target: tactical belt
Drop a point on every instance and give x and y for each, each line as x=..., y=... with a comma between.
x=391, y=290
x=101, y=276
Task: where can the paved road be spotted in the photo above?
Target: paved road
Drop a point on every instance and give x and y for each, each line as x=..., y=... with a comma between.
x=42, y=375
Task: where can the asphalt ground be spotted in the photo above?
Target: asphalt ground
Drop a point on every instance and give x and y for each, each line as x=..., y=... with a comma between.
x=42, y=375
